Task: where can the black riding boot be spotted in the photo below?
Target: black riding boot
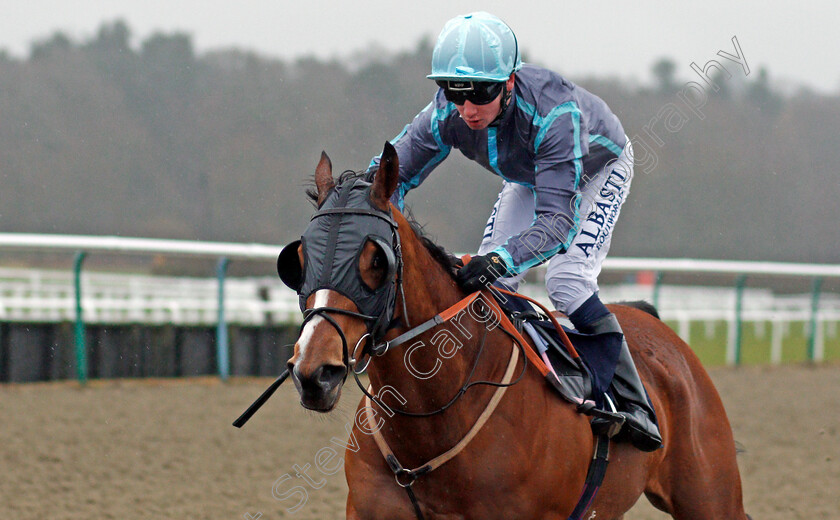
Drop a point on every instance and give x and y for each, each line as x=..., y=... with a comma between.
x=640, y=420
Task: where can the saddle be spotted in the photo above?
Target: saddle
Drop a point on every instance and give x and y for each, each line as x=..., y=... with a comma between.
x=583, y=380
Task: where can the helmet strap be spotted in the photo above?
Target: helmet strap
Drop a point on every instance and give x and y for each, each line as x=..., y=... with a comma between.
x=506, y=95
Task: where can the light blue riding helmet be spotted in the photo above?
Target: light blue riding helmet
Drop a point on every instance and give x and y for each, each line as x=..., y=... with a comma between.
x=475, y=47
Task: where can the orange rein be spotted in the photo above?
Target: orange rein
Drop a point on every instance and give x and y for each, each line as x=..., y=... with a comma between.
x=504, y=321
x=532, y=355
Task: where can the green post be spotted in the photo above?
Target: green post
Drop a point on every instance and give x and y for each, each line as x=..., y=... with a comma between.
x=740, y=283
x=221, y=326
x=657, y=285
x=79, y=328
x=816, y=288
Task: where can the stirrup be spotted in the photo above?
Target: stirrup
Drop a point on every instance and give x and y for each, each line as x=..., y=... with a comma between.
x=604, y=422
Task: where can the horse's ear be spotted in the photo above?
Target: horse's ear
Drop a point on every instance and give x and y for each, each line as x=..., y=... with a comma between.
x=323, y=178
x=387, y=177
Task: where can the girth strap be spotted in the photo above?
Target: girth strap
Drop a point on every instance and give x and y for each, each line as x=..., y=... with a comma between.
x=405, y=478
x=594, y=477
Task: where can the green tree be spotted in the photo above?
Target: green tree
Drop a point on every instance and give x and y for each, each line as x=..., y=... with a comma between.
x=57, y=44
x=664, y=75
x=761, y=94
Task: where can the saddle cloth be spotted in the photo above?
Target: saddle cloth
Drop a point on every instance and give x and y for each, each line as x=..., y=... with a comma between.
x=586, y=378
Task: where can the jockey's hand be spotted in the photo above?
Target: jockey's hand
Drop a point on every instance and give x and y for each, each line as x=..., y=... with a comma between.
x=480, y=272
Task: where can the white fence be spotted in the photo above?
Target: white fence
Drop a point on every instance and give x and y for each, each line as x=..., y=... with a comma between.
x=29, y=295
x=762, y=308
x=35, y=295
x=49, y=296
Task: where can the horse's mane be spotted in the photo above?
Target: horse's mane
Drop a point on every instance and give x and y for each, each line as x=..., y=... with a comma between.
x=447, y=260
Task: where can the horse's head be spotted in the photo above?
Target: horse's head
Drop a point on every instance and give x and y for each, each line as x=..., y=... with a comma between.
x=346, y=270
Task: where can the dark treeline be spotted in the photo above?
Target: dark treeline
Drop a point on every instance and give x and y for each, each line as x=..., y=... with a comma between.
x=99, y=137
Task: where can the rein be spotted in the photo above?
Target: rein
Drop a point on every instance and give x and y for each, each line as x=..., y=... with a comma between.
x=405, y=477
x=381, y=349
x=439, y=319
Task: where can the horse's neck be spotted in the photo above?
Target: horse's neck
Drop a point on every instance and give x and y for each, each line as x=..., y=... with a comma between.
x=427, y=372
x=428, y=289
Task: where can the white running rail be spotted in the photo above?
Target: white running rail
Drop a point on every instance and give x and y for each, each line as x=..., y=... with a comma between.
x=28, y=295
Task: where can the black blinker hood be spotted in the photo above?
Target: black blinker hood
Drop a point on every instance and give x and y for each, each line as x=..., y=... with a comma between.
x=332, y=244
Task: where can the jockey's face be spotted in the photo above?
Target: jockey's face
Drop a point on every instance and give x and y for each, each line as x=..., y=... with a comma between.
x=479, y=117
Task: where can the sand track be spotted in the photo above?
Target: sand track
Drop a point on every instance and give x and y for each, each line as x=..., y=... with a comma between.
x=135, y=449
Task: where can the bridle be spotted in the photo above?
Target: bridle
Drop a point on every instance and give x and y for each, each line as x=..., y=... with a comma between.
x=370, y=344
x=345, y=217
x=332, y=246
x=378, y=326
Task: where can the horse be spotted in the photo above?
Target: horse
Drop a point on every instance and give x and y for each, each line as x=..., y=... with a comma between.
x=529, y=457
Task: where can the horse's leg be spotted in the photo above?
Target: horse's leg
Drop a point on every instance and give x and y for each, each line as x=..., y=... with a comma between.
x=698, y=478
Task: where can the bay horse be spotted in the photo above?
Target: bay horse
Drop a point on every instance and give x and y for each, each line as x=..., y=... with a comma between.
x=529, y=460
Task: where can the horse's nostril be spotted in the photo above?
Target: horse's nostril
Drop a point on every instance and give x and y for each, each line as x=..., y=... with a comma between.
x=331, y=374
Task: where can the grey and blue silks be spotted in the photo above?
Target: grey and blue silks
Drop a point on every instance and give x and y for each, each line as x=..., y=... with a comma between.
x=554, y=139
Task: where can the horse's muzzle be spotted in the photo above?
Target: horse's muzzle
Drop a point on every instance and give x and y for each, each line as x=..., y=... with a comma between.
x=320, y=389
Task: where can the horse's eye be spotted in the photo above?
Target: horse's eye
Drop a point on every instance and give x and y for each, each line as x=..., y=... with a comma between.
x=374, y=275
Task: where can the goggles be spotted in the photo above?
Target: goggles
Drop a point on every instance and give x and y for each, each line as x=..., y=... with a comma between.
x=476, y=92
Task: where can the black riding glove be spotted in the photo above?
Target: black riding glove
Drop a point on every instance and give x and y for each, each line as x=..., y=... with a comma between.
x=481, y=271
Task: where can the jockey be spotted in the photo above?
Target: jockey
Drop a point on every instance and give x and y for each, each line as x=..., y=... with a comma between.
x=566, y=164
